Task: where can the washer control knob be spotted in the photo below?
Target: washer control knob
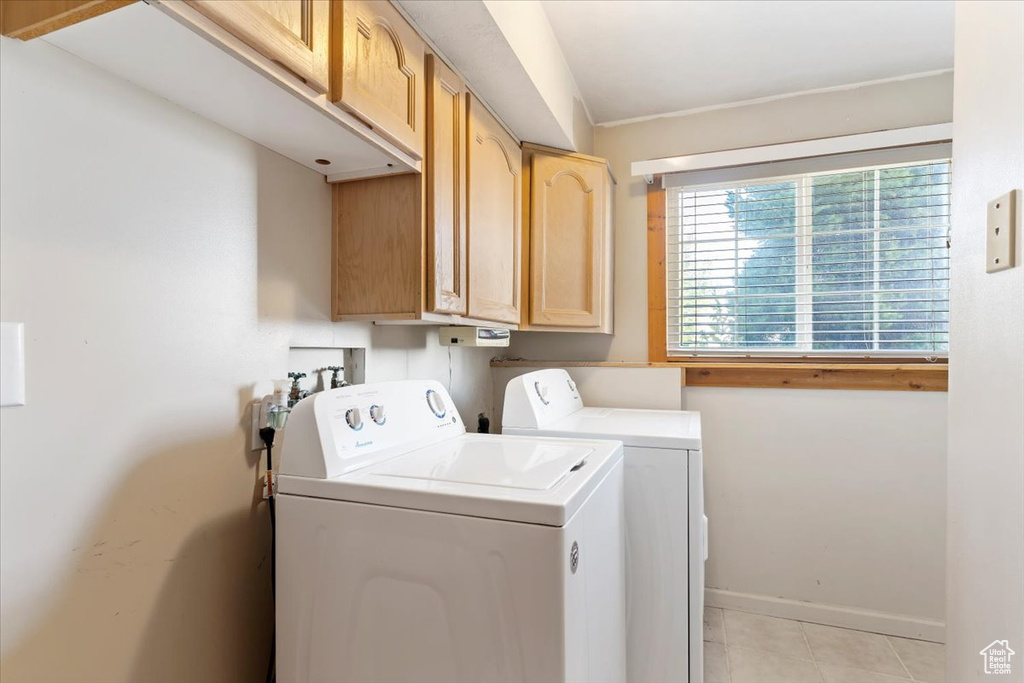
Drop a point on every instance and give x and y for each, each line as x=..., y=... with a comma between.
x=354, y=419
x=377, y=414
x=436, y=403
x=542, y=392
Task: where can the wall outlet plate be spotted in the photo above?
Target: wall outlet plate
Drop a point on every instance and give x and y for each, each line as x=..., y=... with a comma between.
x=258, y=410
x=12, y=364
x=1000, y=228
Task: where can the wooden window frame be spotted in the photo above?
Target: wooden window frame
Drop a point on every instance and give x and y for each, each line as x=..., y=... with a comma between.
x=886, y=374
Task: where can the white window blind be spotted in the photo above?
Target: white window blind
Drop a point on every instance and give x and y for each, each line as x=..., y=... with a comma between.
x=839, y=263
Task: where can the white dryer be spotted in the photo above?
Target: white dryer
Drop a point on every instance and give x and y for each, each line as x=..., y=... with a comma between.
x=409, y=550
x=666, y=530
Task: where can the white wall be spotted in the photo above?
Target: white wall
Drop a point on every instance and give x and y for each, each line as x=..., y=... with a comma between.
x=830, y=497
x=161, y=265
x=525, y=26
x=835, y=499
x=985, y=581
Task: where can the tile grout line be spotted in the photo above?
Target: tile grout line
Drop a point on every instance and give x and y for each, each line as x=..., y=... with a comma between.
x=898, y=658
x=909, y=678
x=725, y=647
x=810, y=650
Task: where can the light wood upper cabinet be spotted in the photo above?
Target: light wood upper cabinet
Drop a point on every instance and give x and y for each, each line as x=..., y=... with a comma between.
x=568, y=240
x=445, y=189
x=377, y=70
x=293, y=33
x=377, y=261
x=403, y=244
x=28, y=19
x=495, y=199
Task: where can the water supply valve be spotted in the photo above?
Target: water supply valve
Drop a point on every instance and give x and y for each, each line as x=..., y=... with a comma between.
x=296, y=394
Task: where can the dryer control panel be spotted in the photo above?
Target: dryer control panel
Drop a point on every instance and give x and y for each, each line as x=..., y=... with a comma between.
x=536, y=399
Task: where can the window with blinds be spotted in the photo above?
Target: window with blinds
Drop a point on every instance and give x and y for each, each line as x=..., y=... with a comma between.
x=838, y=263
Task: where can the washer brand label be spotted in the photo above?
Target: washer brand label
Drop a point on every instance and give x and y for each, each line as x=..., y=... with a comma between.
x=360, y=444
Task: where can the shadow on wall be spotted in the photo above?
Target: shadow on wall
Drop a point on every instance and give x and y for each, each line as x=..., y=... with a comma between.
x=568, y=346
x=293, y=242
x=172, y=584
x=403, y=337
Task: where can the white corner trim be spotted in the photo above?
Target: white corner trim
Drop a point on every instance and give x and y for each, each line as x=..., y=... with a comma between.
x=897, y=137
x=771, y=98
x=901, y=625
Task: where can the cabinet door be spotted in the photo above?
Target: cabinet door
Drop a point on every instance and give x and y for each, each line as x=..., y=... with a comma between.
x=446, y=189
x=567, y=240
x=494, y=196
x=293, y=33
x=377, y=70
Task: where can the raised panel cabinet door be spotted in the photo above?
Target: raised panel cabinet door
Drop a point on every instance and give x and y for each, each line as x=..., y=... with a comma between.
x=293, y=33
x=446, y=189
x=377, y=70
x=567, y=219
x=494, y=196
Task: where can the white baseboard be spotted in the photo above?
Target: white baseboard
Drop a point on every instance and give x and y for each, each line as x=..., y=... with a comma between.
x=831, y=615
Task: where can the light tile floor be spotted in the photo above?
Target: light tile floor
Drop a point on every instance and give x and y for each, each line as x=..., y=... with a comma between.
x=751, y=648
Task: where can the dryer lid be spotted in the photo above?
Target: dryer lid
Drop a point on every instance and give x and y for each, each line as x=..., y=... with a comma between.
x=676, y=429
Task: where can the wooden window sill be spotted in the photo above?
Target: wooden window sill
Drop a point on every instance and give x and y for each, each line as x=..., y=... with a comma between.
x=521, y=363
x=877, y=376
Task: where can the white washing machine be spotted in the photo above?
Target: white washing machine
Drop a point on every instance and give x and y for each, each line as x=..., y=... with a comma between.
x=666, y=530
x=409, y=550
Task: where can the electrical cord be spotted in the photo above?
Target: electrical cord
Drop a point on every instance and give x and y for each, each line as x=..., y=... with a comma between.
x=267, y=434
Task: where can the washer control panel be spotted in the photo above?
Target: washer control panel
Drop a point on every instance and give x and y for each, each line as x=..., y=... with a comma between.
x=341, y=430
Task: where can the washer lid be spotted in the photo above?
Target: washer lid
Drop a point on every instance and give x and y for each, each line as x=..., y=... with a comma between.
x=642, y=428
x=531, y=479
x=530, y=465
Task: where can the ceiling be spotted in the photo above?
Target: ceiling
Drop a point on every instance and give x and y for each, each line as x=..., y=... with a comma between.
x=648, y=57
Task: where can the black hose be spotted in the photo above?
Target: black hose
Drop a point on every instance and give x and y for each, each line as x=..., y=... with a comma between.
x=273, y=522
x=267, y=434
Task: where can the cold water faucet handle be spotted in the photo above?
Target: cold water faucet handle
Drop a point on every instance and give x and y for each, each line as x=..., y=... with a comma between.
x=296, y=393
x=336, y=381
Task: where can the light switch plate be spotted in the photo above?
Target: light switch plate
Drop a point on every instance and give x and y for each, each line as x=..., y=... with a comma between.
x=12, y=364
x=1002, y=224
